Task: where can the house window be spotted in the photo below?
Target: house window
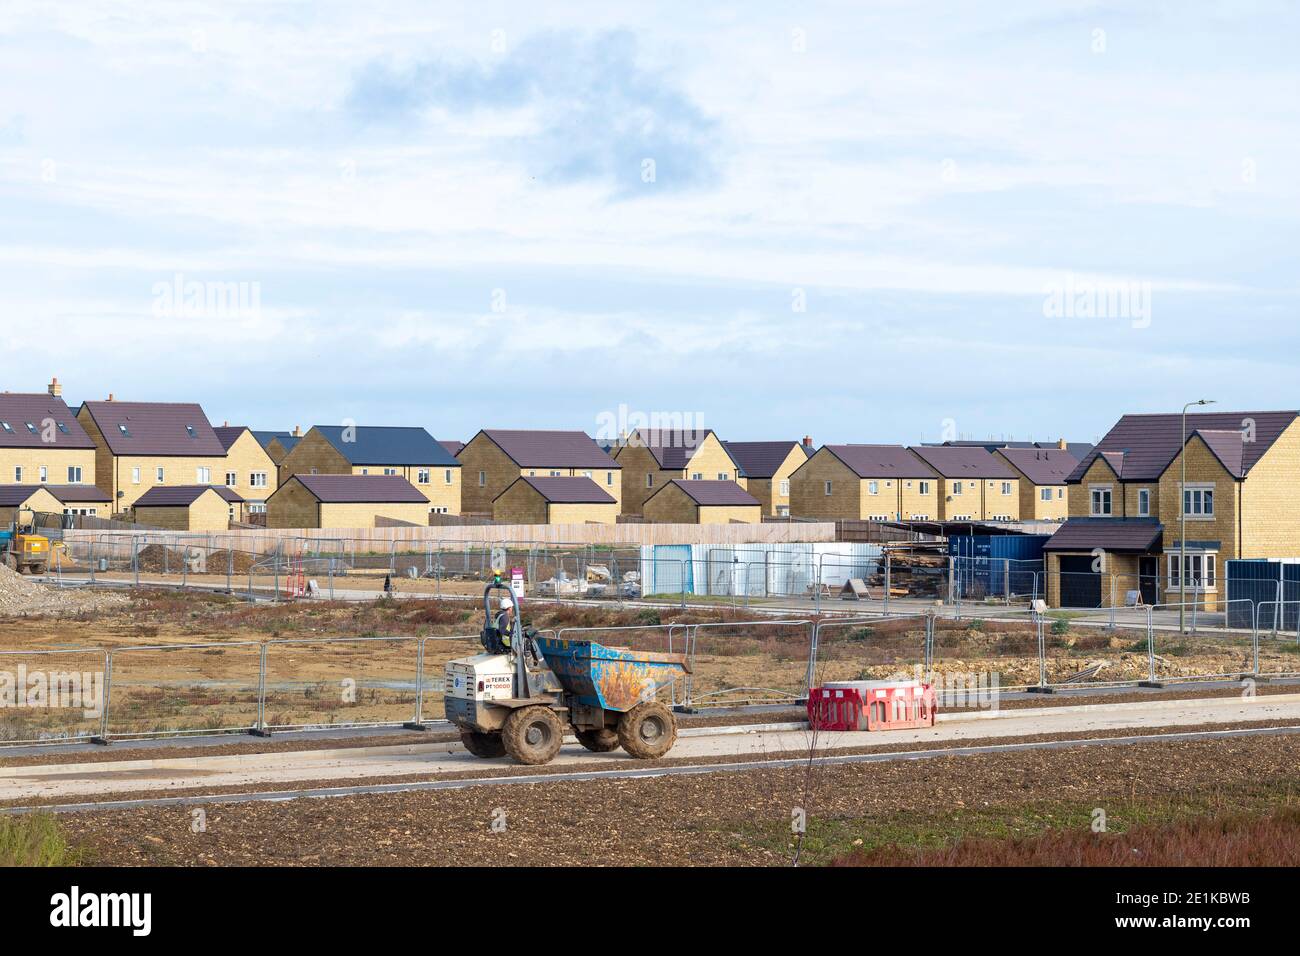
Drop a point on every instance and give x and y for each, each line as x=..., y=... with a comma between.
x=555, y=474
x=446, y=476
x=1201, y=567
x=365, y=471
x=257, y=479
x=74, y=474
x=925, y=487
x=783, y=511
x=18, y=473
x=1100, y=498
x=697, y=476
x=189, y=430
x=1045, y=494
x=257, y=507
x=7, y=427
x=785, y=487
x=1006, y=487
x=482, y=479
x=873, y=487
x=1144, y=502
x=232, y=479
x=203, y=476
x=390, y=471
x=31, y=428
x=422, y=476
x=1198, y=502
x=609, y=478
x=438, y=510
x=135, y=476
x=160, y=475
x=649, y=480
x=586, y=474
x=722, y=476
x=124, y=430
x=1060, y=493
x=956, y=487
x=828, y=489
x=45, y=474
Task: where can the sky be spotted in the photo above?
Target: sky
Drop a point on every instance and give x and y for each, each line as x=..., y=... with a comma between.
x=860, y=221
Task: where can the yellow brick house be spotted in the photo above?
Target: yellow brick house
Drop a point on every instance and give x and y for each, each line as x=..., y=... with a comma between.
x=250, y=471
x=559, y=500
x=653, y=457
x=702, y=501
x=766, y=467
x=403, y=452
x=864, y=483
x=495, y=458
x=345, y=501
x=189, y=508
x=144, y=445
x=1122, y=545
x=1042, y=473
x=973, y=484
x=41, y=441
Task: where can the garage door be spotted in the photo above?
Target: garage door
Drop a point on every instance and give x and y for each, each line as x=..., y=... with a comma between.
x=1080, y=584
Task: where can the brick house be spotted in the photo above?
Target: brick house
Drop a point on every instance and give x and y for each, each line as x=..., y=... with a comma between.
x=766, y=467
x=250, y=471
x=702, y=501
x=495, y=458
x=1042, y=473
x=189, y=508
x=560, y=500
x=974, y=485
x=862, y=483
x=345, y=501
x=278, y=444
x=143, y=445
x=1239, y=503
x=41, y=441
x=404, y=452
x=653, y=457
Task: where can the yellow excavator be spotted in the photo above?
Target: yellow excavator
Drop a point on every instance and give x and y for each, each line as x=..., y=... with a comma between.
x=21, y=547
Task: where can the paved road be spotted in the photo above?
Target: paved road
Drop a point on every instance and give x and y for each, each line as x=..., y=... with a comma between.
x=80, y=780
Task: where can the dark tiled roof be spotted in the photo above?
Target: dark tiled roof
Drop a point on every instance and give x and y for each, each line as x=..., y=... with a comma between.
x=1076, y=448
x=451, y=445
x=156, y=428
x=567, y=491
x=387, y=445
x=1148, y=443
x=963, y=461
x=880, y=461
x=1042, y=466
x=1108, y=534
x=66, y=493
x=361, y=489
x=20, y=409
x=229, y=434
x=1228, y=446
x=672, y=448
x=181, y=496
x=11, y=496
x=707, y=493
x=287, y=439
x=760, y=459
x=550, y=449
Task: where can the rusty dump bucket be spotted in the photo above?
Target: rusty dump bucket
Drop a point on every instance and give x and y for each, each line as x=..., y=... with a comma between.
x=614, y=678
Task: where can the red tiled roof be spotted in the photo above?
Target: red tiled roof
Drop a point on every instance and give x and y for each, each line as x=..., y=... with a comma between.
x=19, y=410
x=567, y=491
x=361, y=489
x=1042, y=466
x=550, y=449
x=963, y=461
x=1148, y=443
x=156, y=428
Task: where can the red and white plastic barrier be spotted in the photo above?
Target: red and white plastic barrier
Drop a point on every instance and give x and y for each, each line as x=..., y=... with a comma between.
x=871, y=705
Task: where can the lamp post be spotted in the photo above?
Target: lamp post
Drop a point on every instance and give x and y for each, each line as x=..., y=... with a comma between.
x=1182, y=520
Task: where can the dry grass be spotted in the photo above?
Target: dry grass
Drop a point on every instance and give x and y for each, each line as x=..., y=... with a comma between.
x=1227, y=840
x=34, y=839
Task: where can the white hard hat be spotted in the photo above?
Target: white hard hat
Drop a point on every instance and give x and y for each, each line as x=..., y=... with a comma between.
x=506, y=602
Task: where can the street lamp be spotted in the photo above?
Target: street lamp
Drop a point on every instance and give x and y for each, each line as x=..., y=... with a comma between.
x=1182, y=520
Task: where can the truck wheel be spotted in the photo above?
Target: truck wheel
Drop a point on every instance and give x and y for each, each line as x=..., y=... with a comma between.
x=648, y=730
x=38, y=569
x=598, y=741
x=483, y=745
x=532, y=735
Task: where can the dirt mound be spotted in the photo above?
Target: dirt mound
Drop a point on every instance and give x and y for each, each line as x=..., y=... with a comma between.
x=21, y=596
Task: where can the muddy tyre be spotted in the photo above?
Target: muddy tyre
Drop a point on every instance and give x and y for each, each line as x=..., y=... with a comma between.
x=39, y=569
x=532, y=735
x=483, y=745
x=598, y=741
x=648, y=730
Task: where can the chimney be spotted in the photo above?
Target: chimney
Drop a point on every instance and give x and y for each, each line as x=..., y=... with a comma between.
x=110, y=396
x=1062, y=444
x=297, y=431
x=55, y=388
x=225, y=424
x=807, y=441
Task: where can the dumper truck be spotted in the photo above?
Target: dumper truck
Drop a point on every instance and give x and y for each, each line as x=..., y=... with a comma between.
x=525, y=690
